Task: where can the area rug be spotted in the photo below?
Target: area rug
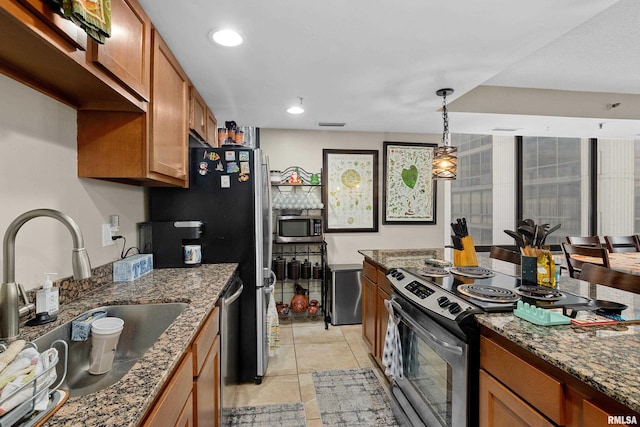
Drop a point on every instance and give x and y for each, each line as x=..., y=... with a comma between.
x=284, y=415
x=352, y=397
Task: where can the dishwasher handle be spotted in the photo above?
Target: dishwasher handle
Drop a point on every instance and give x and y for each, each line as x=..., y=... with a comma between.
x=235, y=296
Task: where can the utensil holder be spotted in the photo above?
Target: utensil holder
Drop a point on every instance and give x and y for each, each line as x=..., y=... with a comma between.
x=467, y=257
x=529, y=270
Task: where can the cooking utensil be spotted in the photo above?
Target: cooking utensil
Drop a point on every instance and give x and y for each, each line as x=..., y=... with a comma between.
x=549, y=231
x=517, y=237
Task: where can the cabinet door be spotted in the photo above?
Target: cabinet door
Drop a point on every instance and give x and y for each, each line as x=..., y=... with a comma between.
x=186, y=418
x=169, y=112
x=69, y=31
x=207, y=390
x=170, y=407
x=212, y=129
x=369, y=313
x=499, y=407
x=382, y=318
x=126, y=55
x=197, y=114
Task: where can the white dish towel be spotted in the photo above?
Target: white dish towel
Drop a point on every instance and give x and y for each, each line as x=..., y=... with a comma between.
x=392, y=354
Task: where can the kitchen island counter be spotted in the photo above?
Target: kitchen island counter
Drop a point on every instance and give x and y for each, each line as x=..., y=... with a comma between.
x=126, y=402
x=602, y=357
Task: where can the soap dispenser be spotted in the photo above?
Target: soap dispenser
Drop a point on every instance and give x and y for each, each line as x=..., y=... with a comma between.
x=47, y=297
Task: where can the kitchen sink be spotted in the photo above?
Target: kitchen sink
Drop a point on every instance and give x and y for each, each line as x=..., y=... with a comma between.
x=143, y=324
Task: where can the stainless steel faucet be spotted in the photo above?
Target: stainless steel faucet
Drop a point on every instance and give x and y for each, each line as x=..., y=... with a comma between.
x=9, y=290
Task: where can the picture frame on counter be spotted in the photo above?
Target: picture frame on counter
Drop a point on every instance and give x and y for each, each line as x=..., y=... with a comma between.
x=409, y=192
x=350, y=190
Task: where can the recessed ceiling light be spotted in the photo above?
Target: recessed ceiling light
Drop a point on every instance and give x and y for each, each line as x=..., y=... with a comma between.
x=296, y=109
x=227, y=37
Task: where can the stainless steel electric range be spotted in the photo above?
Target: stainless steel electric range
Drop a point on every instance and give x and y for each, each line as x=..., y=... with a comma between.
x=439, y=336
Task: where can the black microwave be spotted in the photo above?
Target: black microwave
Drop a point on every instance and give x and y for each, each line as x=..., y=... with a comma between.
x=297, y=228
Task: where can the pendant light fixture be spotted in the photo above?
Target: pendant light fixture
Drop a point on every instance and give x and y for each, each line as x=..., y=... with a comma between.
x=445, y=160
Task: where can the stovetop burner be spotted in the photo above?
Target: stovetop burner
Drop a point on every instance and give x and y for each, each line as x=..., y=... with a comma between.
x=540, y=293
x=488, y=293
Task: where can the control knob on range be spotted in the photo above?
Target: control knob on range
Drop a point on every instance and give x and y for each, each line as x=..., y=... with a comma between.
x=443, y=301
x=454, y=308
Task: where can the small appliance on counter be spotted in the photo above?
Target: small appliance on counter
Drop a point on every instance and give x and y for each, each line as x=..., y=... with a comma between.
x=172, y=243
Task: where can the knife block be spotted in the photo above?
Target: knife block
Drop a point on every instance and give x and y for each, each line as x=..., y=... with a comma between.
x=467, y=256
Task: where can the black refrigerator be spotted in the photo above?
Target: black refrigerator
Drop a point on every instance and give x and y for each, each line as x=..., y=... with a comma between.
x=230, y=192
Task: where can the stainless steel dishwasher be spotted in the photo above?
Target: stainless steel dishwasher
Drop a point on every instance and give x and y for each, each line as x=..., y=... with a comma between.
x=229, y=305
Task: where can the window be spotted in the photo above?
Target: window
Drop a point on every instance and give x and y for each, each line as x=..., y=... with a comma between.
x=472, y=191
x=552, y=184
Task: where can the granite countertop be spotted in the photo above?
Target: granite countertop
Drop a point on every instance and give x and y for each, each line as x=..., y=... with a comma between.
x=125, y=402
x=394, y=258
x=604, y=357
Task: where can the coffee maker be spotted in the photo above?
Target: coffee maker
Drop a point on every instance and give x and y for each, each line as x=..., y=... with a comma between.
x=172, y=243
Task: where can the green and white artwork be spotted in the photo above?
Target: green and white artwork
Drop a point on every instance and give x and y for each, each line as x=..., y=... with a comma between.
x=350, y=191
x=409, y=191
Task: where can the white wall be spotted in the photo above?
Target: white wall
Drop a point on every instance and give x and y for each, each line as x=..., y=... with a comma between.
x=304, y=148
x=38, y=169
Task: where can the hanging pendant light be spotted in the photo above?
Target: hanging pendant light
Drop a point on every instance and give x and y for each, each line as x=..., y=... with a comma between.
x=445, y=160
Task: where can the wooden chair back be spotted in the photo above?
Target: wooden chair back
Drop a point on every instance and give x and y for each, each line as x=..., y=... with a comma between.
x=622, y=243
x=504, y=254
x=605, y=276
x=585, y=241
x=600, y=257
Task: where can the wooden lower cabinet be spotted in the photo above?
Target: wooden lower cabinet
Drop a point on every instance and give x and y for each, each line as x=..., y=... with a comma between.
x=376, y=288
x=191, y=397
x=172, y=408
x=382, y=319
x=369, y=312
x=186, y=419
x=499, y=407
x=519, y=389
x=206, y=374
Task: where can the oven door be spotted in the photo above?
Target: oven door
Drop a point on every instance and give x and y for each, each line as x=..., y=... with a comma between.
x=434, y=387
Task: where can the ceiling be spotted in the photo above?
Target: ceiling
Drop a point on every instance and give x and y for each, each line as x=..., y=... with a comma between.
x=518, y=67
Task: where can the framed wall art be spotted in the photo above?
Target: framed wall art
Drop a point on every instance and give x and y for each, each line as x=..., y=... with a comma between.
x=409, y=192
x=350, y=190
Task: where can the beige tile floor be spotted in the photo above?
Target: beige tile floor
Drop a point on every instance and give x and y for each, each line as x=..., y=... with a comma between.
x=305, y=347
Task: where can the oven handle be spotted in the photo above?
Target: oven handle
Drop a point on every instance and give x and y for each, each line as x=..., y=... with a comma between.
x=435, y=340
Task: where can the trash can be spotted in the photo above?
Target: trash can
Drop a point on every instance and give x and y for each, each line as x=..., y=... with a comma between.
x=345, y=294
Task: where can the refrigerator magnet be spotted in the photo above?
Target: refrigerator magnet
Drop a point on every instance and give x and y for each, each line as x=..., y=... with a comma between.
x=243, y=156
x=243, y=177
x=244, y=167
x=203, y=168
x=232, y=167
x=214, y=156
x=225, y=181
x=229, y=156
x=219, y=167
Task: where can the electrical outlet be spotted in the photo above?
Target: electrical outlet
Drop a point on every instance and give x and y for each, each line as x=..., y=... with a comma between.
x=106, y=235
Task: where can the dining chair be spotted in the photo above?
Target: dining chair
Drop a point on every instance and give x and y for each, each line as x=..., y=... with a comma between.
x=593, y=241
x=622, y=243
x=615, y=279
x=600, y=255
x=504, y=254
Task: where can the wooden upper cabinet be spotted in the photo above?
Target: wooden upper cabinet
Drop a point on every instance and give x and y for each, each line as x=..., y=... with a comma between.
x=69, y=31
x=197, y=114
x=126, y=55
x=168, y=154
x=212, y=129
